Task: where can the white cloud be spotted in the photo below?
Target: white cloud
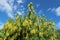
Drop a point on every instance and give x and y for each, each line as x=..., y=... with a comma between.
x=19, y=13
x=49, y=9
x=11, y=2
x=1, y=25
x=53, y=9
x=57, y=10
x=8, y=7
x=19, y=1
x=22, y=6
x=58, y=25
x=15, y=7
x=40, y=12
x=5, y=6
x=11, y=15
x=37, y=5
x=22, y=10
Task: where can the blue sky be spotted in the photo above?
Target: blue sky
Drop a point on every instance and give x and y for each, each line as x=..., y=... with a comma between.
x=50, y=8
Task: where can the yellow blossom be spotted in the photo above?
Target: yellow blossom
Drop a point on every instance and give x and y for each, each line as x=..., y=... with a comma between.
x=25, y=23
x=45, y=23
x=49, y=28
x=14, y=28
x=52, y=38
x=40, y=33
x=1, y=38
x=45, y=32
x=33, y=31
x=35, y=24
x=30, y=22
x=50, y=22
x=7, y=34
x=7, y=22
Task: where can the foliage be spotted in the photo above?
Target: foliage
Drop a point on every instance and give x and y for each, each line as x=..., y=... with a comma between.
x=31, y=27
x=58, y=34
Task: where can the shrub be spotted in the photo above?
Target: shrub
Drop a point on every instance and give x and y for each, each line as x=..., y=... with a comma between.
x=31, y=27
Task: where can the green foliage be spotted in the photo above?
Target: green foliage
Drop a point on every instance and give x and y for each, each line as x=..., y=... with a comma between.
x=31, y=27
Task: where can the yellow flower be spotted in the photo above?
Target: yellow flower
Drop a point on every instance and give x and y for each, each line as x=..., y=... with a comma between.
x=55, y=35
x=10, y=25
x=52, y=27
x=45, y=23
x=1, y=38
x=35, y=24
x=33, y=31
x=45, y=32
x=40, y=33
x=49, y=28
x=50, y=22
x=7, y=22
x=30, y=22
x=52, y=38
x=40, y=27
x=25, y=23
x=7, y=34
x=17, y=18
x=14, y=28
x=30, y=16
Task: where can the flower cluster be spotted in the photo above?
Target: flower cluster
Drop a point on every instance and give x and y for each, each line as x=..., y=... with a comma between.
x=31, y=27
